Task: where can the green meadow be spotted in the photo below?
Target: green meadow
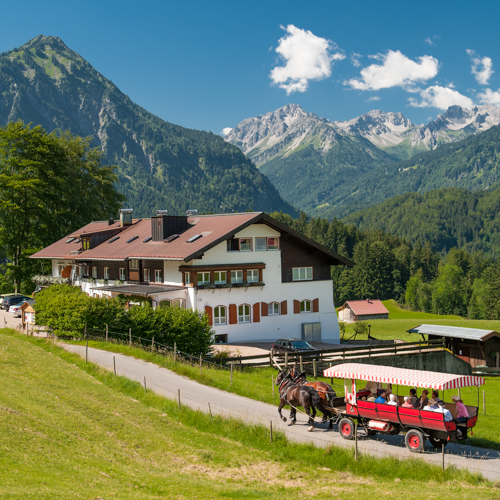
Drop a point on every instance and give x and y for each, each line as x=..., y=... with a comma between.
x=72, y=430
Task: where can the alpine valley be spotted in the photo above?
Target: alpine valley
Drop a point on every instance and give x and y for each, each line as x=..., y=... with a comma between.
x=331, y=169
x=160, y=165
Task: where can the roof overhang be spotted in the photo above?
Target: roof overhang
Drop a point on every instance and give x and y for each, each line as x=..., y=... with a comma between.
x=143, y=290
x=473, y=334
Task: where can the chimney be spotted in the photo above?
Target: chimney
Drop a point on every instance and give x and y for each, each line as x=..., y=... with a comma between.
x=126, y=217
x=164, y=226
x=111, y=221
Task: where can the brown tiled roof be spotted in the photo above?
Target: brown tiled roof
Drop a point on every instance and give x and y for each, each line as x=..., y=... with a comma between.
x=213, y=228
x=365, y=307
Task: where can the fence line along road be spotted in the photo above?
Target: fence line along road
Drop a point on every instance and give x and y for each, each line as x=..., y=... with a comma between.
x=197, y=396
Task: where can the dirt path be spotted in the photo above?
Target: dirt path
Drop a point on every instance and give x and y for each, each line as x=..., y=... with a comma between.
x=197, y=396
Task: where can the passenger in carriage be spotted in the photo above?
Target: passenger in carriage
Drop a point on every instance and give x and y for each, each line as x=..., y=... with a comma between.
x=414, y=398
x=430, y=406
x=447, y=413
x=372, y=387
x=381, y=398
x=435, y=396
x=462, y=413
x=407, y=403
x=424, y=399
x=393, y=400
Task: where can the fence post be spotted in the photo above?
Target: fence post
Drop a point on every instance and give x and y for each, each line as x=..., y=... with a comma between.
x=286, y=361
x=271, y=431
x=271, y=359
x=114, y=365
x=145, y=390
x=210, y=411
x=175, y=349
x=200, y=366
x=442, y=453
x=152, y=345
x=301, y=366
x=130, y=337
x=106, y=333
x=179, y=398
x=231, y=382
x=272, y=383
x=314, y=368
x=86, y=351
x=331, y=378
x=484, y=403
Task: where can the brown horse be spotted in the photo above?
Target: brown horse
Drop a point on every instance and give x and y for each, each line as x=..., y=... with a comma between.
x=296, y=395
x=324, y=390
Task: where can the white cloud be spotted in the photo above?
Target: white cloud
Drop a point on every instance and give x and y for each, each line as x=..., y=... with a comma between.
x=307, y=57
x=440, y=97
x=482, y=69
x=490, y=97
x=373, y=98
x=429, y=41
x=226, y=131
x=355, y=59
x=396, y=70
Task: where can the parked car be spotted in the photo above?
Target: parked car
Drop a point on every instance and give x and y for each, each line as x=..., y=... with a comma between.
x=5, y=295
x=281, y=346
x=16, y=308
x=12, y=300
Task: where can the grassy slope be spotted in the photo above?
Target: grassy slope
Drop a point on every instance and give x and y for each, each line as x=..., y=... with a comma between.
x=71, y=430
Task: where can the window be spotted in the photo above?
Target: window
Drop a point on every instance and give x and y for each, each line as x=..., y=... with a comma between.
x=86, y=244
x=164, y=303
x=260, y=244
x=157, y=275
x=305, y=306
x=244, y=313
x=239, y=245
x=273, y=243
x=106, y=273
x=273, y=308
x=179, y=303
x=147, y=275
x=203, y=278
x=220, y=277
x=221, y=339
x=60, y=268
x=122, y=273
x=245, y=244
x=302, y=273
x=220, y=315
x=94, y=272
x=187, y=278
x=133, y=264
x=236, y=276
x=253, y=276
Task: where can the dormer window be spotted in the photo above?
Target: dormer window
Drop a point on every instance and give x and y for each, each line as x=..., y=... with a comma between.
x=85, y=243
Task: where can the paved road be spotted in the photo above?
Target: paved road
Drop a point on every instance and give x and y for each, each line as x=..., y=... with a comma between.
x=197, y=396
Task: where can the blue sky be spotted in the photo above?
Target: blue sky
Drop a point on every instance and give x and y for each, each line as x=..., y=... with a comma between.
x=209, y=65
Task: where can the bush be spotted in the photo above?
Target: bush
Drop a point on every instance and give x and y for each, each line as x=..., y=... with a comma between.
x=66, y=309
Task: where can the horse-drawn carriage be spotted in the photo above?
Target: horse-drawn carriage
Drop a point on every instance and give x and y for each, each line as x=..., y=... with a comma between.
x=391, y=419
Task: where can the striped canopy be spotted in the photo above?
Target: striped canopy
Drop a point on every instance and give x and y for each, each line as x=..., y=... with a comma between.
x=402, y=376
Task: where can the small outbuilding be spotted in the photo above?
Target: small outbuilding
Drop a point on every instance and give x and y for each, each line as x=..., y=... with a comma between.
x=477, y=347
x=360, y=310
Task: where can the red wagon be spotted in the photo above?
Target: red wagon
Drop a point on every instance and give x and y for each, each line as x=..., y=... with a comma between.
x=388, y=419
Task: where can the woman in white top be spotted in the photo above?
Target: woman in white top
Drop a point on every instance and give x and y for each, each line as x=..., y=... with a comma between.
x=393, y=400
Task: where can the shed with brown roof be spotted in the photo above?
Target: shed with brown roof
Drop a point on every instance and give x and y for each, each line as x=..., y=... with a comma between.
x=361, y=310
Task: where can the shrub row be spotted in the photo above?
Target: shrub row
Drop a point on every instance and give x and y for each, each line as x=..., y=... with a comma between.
x=65, y=309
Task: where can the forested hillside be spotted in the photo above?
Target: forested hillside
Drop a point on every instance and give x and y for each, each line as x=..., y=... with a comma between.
x=471, y=164
x=463, y=283
x=160, y=165
x=447, y=218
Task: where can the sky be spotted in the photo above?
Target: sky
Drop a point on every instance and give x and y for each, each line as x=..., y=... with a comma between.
x=209, y=65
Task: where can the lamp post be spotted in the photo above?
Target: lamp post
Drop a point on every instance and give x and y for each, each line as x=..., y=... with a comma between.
x=369, y=330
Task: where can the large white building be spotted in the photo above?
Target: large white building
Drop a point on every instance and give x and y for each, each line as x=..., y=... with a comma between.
x=255, y=278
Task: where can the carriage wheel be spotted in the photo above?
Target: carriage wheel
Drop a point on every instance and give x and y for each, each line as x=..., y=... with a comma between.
x=414, y=441
x=346, y=428
x=437, y=443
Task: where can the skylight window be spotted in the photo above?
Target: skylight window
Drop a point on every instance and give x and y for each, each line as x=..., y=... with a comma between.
x=194, y=238
x=147, y=239
x=70, y=240
x=113, y=239
x=132, y=239
x=172, y=237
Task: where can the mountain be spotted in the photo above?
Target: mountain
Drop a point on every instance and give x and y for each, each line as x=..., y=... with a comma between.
x=447, y=218
x=160, y=165
x=321, y=165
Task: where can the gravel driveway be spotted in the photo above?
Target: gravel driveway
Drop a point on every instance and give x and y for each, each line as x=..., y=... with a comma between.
x=197, y=396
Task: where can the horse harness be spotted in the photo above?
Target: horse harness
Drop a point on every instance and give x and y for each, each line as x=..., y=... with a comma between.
x=283, y=389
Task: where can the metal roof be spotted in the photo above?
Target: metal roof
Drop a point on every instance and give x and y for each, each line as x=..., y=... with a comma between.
x=138, y=289
x=455, y=332
x=366, y=307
